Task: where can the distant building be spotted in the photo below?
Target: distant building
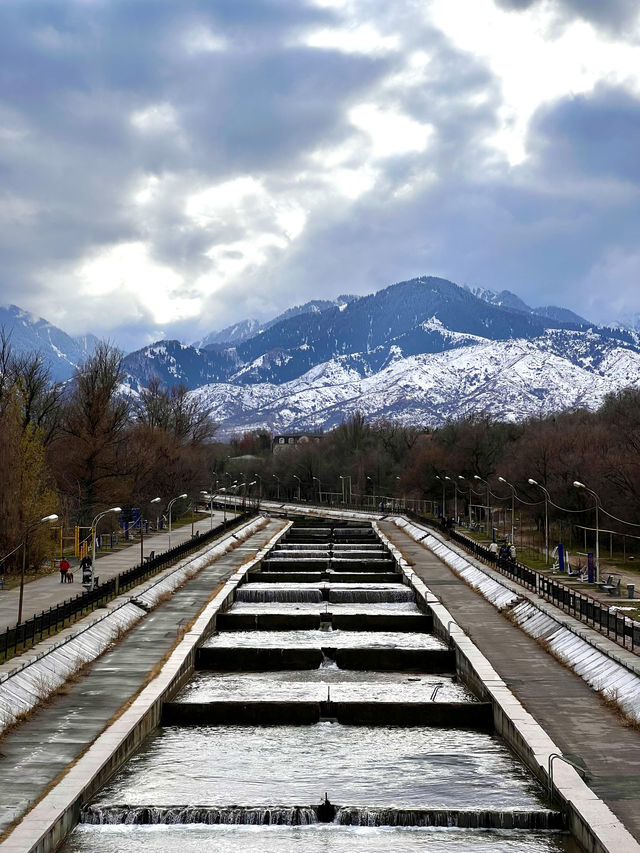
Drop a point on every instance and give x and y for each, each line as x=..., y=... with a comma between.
x=282, y=442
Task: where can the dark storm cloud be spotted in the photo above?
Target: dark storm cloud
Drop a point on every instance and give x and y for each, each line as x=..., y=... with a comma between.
x=611, y=15
x=73, y=74
x=596, y=134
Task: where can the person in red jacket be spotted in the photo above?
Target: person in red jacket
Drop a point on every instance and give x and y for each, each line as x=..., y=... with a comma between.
x=64, y=568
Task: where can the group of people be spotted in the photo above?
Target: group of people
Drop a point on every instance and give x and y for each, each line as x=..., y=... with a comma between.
x=85, y=564
x=504, y=554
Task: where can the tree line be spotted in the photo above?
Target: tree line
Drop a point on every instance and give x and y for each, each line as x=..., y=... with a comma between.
x=80, y=447
x=77, y=448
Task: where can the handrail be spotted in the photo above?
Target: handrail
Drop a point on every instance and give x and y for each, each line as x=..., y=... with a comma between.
x=561, y=757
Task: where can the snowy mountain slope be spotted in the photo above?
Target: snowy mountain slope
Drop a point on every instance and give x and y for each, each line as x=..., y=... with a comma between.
x=28, y=333
x=510, y=380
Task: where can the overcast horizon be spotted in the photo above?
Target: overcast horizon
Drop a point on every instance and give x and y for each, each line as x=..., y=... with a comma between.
x=169, y=169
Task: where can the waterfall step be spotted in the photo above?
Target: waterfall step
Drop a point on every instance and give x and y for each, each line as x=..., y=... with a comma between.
x=468, y=715
x=400, y=622
x=264, y=659
x=305, y=576
x=508, y=819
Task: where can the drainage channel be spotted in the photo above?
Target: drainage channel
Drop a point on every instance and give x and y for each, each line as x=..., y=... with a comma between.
x=324, y=715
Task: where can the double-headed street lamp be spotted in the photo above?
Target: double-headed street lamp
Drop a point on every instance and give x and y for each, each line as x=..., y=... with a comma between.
x=169, y=506
x=513, y=497
x=547, y=498
x=580, y=485
x=94, y=525
x=30, y=527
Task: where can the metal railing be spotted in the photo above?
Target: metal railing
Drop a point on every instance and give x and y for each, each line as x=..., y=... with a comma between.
x=31, y=631
x=589, y=610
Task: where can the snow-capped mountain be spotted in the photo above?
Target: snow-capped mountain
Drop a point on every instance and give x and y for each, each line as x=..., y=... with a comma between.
x=424, y=315
x=239, y=332
x=510, y=380
x=506, y=299
x=28, y=333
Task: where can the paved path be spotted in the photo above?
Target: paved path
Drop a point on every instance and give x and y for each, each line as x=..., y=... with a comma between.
x=573, y=714
x=33, y=754
x=46, y=592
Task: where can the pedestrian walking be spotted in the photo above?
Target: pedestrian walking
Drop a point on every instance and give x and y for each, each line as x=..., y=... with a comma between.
x=85, y=564
x=493, y=550
x=64, y=568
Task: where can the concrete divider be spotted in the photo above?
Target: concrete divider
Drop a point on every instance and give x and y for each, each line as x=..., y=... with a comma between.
x=468, y=715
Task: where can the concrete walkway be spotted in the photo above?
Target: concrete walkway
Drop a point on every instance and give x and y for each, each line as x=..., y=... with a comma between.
x=574, y=716
x=46, y=592
x=38, y=750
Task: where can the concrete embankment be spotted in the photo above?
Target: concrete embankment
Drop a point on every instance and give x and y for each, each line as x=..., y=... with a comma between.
x=43, y=828
x=592, y=821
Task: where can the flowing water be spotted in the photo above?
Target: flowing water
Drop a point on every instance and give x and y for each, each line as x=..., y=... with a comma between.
x=323, y=788
x=307, y=839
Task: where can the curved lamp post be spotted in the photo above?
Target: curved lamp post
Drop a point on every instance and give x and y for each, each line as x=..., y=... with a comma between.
x=455, y=498
x=277, y=479
x=295, y=477
x=444, y=496
x=94, y=525
x=45, y=520
x=489, y=513
x=153, y=501
x=580, y=485
x=513, y=498
x=319, y=488
x=547, y=498
x=170, y=505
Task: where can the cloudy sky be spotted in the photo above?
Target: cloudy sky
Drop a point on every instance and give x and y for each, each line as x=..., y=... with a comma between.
x=167, y=168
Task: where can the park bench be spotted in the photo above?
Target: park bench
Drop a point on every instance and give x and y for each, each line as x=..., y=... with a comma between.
x=610, y=586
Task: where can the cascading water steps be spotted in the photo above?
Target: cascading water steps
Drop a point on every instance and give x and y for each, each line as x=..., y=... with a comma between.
x=325, y=705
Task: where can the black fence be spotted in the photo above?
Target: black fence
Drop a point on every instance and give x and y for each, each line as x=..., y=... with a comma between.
x=583, y=607
x=50, y=621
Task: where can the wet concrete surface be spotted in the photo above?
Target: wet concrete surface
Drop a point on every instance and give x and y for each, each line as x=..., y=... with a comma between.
x=36, y=751
x=574, y=716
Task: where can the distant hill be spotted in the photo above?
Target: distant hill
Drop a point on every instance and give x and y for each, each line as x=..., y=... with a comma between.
x=29, y=333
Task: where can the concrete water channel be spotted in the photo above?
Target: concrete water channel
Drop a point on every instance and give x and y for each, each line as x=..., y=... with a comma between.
x=323, y=714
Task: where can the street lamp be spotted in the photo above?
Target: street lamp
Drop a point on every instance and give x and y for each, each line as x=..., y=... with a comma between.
x=547, y=498
x=489, y=513
x=444, y=496
x=580, y=485
x=94, y=525
x=319, y=489
x=259, y=479
x=275, y=477
x=28, y=530
x=513, y=497
x=209, y=497
x=154, y=501
x=295, y=477
x=170, y=505
x=224, y=508
x=455, y=498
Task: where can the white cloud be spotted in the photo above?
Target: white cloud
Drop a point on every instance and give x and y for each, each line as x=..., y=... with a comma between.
x=135, y=283
x=535, y=62
x=389, y=131
x=355, y=39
